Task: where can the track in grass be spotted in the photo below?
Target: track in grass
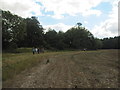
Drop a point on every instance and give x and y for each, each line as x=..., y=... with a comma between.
x=69, y=70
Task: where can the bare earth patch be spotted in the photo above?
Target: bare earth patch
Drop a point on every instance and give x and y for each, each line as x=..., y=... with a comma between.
x=81, y=69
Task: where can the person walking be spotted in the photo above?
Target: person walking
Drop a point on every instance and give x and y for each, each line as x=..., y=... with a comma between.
x=33, y=50
x=38, y=50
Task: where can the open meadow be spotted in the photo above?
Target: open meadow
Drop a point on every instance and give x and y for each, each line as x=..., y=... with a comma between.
x=65, y=69
x=59, y=43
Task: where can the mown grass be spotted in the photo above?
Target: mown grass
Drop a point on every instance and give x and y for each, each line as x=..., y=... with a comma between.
x=99, y=67
x=14, y=63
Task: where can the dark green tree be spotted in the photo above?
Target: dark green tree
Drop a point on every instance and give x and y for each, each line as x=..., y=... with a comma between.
x=51, y=38
x=111, y=43
x=79, y=38
x=61, y=41
x=98, y=43
x=12, y=29
x=34, y=31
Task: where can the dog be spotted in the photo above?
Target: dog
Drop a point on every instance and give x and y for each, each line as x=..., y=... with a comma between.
x=47, y=61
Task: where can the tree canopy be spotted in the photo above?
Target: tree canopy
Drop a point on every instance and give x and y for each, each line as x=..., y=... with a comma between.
x=28, y=32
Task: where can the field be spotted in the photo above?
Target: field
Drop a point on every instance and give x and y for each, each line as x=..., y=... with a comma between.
x=69, y=69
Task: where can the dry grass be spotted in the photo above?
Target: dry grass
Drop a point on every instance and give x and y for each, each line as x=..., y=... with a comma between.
x=86, y=68
x=14, y=63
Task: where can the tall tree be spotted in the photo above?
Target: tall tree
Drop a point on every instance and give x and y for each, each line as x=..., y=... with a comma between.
x=34, y=32
x=12, y=28
x=79, y=38
x=61, y=41
x=51, y=38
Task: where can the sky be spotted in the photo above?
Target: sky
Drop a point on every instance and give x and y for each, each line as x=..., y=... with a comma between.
x=100, y=17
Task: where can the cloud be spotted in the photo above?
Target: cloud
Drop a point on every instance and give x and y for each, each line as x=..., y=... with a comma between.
x=85, y=22
x=58, y=27
x=92, y=12
x=71, y=7
x=108, y=28
x=57, y=16
x=24, y=8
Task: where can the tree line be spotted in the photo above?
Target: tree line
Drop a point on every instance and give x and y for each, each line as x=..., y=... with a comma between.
x=28, y=32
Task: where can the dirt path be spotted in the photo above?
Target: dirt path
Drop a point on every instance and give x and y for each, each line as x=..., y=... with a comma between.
x=69, y=71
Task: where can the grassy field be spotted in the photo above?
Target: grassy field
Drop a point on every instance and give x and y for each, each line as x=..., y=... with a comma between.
x=102, y=65
x=14, y=63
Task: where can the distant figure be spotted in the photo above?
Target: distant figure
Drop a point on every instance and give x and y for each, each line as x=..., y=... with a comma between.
x=38, y=50
x=85, y=49
x=47, y=61
x=33, y=50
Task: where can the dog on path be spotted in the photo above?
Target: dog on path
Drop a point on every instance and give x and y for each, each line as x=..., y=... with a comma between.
x=47, y=61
